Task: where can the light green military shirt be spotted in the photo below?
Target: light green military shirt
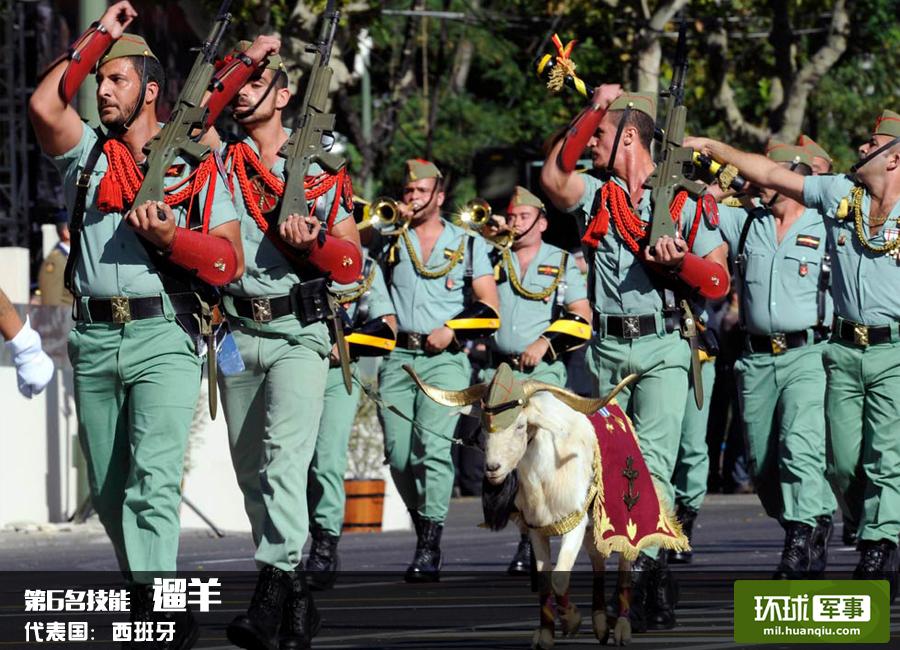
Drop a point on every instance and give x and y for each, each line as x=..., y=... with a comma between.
x=376, y=299
x=424, y=304
x=624, y=284
x=113, y=260
x=523, y=320
x=268, y=273
x=865, y=285
x=781, y=287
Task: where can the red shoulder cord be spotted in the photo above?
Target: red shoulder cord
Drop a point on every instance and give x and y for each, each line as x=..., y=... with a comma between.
x=630, y=227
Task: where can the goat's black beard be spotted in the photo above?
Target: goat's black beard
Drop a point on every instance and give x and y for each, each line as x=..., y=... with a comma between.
x=498, y=501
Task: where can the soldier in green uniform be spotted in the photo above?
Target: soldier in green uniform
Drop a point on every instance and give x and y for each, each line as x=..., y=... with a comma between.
x=779, y=252
x=51, y=277
x=273, y=406
x=139, y=274
x=443, y=289
x=370, y=311
x=862, y=360
x=632, y=291
x=544, y=311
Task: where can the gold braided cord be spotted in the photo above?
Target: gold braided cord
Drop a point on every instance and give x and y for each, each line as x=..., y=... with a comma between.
x=455, y=258
x=522, y=291
x=856, y=200
x=353, y=294
x=570, y=521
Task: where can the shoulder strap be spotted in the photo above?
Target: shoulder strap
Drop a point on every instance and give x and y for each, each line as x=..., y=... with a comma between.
x=76, y=224
x=740, y=260
x=468, y=293
x=823, y=289
x=362, y=304
x=559, y=301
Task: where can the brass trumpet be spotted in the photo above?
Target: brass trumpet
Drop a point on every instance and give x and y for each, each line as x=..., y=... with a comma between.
x=381, y=214
x=474, y=214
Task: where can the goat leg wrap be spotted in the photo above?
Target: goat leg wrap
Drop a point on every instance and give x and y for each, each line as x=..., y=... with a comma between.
x=83, y=56
x=475, y=321
x=212, y=258
x=228, y=80
x=568, y=332
x=339, y=258
x=706, y=277
x=372, y=339
x=579, y=134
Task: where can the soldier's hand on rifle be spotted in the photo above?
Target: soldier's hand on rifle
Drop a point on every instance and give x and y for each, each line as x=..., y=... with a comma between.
x=155, y=222
x=439, y=339
x=300, y=232
x=263, y=47
x=604, y=95
x=117, y=18
x=668, y=251
x=533, y=354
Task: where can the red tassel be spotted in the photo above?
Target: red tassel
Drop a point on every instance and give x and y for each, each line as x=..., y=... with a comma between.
x=109, y=194
x=599, y=225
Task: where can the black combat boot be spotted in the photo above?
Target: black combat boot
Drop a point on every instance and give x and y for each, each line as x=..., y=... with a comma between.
x=186, y=629
x=662, y=598
x=644, y=571
x=878, y=561
x=323, y=563
x=258, y=628
x=426, y=565
x=818, y=557
x=686, y=517
x=300, y=621
x=795, y=557
x=521, y=562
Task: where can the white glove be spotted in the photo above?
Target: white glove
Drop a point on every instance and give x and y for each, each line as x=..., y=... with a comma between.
x=34, y=368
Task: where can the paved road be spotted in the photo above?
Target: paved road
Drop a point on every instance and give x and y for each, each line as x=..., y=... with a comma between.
x=474, y=606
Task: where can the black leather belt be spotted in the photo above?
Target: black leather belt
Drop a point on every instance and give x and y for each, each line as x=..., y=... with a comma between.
x=633, y=327
x=778, y=342
x=860, y=335
x=513, y=360
x=263, y=310
x=121, y=309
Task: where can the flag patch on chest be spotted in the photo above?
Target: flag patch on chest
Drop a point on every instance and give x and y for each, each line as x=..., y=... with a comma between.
x=810, y=241
x=546, y=269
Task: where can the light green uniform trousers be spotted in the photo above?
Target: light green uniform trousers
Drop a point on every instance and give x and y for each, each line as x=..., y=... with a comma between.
x=419, y=455
x=272, y=409
x=136, y=387
x=782, y=406
x=655, y=403
x=692, y=465
x=329, y=463
x=862, y=404
x=549, y=373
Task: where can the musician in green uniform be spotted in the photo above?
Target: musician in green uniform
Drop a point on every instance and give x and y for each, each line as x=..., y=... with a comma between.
x=371, y=314
x=862, y=359
x=442, y=286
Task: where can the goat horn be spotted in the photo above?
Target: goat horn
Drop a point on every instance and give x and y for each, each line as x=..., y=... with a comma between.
x=585, y=405
x=463, y=397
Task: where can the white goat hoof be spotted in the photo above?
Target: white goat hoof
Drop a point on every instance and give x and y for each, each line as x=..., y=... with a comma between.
x=600, y=625
x=622, y=631
x=542, y=639
x=569, y=619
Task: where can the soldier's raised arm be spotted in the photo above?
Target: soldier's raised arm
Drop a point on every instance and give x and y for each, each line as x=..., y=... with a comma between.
x=56, y=124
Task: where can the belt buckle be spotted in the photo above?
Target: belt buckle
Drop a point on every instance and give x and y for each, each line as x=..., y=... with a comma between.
x=121, y=309
x=861, y=335
x=631, y=327
x=262, y=310
x=779, y=343
x=414, y=340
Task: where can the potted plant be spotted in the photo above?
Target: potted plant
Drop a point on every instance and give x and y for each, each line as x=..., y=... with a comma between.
x=363, y=482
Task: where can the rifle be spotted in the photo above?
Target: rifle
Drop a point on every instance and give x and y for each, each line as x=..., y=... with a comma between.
x=304, y=147
x=181, y=134
x=673, y=167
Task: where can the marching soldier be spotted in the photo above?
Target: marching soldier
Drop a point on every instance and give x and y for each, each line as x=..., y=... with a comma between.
x=631, y=287
x=443, y=289
x=370, y=311
x=139, y=274
x=862, y=361
x=276, y=315
x=51, y=277
x=544, y=311
x=783, y=269
x=821, y=161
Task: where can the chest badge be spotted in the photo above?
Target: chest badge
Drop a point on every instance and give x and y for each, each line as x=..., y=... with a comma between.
x=265, y=198
x=810, y=241
x=449, y=284
x=804, y=269
x=842, y=239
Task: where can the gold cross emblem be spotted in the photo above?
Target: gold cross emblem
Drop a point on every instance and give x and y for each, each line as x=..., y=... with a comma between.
x=121, y=309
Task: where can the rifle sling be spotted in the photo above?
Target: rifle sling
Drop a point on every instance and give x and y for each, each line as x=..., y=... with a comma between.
x=76, y=225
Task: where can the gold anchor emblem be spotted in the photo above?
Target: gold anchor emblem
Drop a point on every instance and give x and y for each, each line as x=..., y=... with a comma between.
x=219, y=264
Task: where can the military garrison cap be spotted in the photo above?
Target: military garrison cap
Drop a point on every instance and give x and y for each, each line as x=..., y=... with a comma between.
x=815, y=150
x=789, y=153
x=503, y=400
x=127, y=45
x=521, y=196
x=274, y=62
x=643, y=102
x=419, y=168
x=888, y=123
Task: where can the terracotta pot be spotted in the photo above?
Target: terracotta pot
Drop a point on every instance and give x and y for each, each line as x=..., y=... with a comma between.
x=364, y=505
